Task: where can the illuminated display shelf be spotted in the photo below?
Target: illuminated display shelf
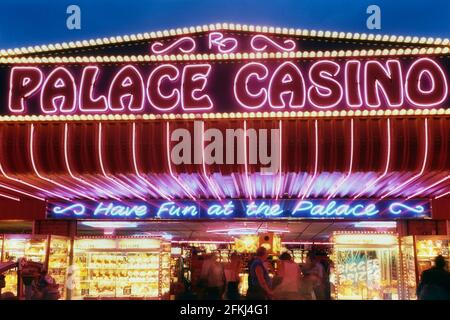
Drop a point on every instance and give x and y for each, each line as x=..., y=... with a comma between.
x=35, y=248
x=418, y=254
x=115, y=268
x=367, y=266
x=21, y=246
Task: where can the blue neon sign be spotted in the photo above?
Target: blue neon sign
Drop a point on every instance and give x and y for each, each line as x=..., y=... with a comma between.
x=241, y=209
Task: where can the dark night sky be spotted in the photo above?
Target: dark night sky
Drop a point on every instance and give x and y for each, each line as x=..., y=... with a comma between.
x=30, y=22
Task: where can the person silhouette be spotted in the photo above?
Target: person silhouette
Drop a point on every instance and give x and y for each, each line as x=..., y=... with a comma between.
x=435, y=282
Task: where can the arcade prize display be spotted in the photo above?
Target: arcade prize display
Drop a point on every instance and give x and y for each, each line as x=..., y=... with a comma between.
x=122, y=268
x=52, y=251
x=418, y=253
x=367, y=266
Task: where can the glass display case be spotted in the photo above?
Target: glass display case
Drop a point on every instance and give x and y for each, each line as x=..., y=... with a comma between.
x=121, y=268
x=52, y=251
x=408, y=268
x=21, y=246
x=366, y=266
x=58, y=261
x=418, y=253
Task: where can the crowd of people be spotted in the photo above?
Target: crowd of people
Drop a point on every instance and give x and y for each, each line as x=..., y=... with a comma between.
x=212, y=280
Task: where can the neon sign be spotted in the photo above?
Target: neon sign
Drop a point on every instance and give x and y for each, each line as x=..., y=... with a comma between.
x=312, y=85
x=242, y=209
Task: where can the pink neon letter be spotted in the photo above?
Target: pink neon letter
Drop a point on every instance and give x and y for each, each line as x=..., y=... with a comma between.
x=325, y=92
x=87, y=102
x=195, y=79
x=23, y=82
x=242, y=92
x=352, y=84
x=416, y=93
x=388, y=79
x=127, y=83
x=59, y=85
x=287, y=80
x=155, y=83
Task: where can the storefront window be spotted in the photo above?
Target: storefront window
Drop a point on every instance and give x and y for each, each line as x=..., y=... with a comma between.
x=366, y=266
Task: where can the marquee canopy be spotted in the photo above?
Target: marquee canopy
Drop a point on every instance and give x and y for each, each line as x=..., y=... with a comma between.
x=381, y=136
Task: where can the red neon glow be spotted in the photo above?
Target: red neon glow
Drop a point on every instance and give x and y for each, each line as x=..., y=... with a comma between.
x=69, y=170
x=316, y=162
x=247, y=179
x=169, y=162
x=386, y=169
x=117, y=182
x=36, y=171
x=280, y=169
x=212, y=185
x=21, y=192
x=341, y=183
x=425, y=158
x=442, y=195
x=421, y=191
x=3, y=195
x=136, y=169
x=26, y=184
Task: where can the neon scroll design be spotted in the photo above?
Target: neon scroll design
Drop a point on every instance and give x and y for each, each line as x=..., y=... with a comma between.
x=76, y=209
x=223, y=44
x=261, y=42
x=184, y=44
x=399, y=208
